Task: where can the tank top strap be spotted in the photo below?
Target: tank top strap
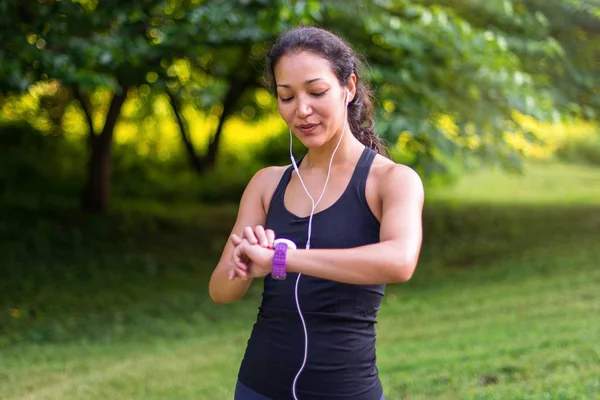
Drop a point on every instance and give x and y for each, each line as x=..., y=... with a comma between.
x=361, y=172
x=277, y=198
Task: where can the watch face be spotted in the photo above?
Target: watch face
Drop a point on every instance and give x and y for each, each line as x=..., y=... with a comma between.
x=290, y=244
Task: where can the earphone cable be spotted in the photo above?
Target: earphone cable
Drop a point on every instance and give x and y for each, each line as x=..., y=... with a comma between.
x=313, y=208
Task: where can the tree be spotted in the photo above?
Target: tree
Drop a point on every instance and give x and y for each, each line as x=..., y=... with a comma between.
x=449, y=76
x=83, y=45
x=568, y=29
x=116, y=45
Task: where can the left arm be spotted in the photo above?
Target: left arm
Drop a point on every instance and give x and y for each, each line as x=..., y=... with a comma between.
x=391, y=260
x=394, y=258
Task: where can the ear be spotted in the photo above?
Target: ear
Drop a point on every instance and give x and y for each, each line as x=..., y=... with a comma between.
x=351, y=88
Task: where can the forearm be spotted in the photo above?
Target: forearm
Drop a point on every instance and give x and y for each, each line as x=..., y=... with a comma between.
x=385, y=262
x=223, y=290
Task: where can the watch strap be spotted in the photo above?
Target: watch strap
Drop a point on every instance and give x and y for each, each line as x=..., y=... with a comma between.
x=279, y=261
x=281, y=247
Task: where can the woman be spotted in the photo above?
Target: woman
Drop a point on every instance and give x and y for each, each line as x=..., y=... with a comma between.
x=354, y=216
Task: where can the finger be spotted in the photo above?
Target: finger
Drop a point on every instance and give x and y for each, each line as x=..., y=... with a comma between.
x=236, y=273
x=240, y=270
x=236, y=257
x=235, y=239
x=270, y=237
x=249, y=235
x=240, y=260
x=237, y=262
x=261, y=235
x=243, y=275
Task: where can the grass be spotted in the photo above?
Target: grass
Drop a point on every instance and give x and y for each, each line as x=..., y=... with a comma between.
x=504, y=303
x=543, y=183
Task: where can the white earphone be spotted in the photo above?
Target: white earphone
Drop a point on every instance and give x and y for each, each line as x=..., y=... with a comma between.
x=314, y=206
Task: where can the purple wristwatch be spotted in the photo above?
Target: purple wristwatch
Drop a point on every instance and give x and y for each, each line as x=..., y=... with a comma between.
x=281, y=247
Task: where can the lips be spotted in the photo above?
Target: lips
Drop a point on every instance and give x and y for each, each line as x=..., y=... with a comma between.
x=307, y=128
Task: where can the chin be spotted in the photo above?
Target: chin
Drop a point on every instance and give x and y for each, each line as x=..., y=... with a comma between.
x=313, y=142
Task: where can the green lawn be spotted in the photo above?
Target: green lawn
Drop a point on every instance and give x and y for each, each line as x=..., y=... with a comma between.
x=504, y=304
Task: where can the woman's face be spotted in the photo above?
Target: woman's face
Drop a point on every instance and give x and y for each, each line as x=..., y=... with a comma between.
x=310, y=98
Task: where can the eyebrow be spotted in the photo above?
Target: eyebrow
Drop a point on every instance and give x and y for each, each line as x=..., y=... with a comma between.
x=305, y=82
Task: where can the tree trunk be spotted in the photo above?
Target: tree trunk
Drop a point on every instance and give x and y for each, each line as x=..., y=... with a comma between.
x=236, y=89
x=185, y=134
x=203, y=163
x=96, y=193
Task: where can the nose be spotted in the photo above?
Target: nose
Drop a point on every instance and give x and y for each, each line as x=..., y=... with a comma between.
x=304, y=108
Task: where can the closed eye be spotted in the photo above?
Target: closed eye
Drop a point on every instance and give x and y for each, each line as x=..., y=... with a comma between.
x=288, y=99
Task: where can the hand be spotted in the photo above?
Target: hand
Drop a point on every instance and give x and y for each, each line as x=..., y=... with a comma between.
x=250, y=260
x=236, y=241
x=258, y=235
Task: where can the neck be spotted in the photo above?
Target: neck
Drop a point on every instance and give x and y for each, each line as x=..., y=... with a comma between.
x=319, y=158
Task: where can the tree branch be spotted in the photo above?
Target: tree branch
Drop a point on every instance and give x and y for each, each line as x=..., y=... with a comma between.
x=184, y=131
x=86, y=110
x=237, y=87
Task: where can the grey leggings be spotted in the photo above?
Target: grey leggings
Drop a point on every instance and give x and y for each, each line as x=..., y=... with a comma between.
x=243, y=392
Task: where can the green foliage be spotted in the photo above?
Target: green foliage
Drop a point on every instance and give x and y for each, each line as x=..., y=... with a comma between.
x=557, y=42
x=449, y=77
x=429, y=63
x=37, y=166
x=574, y=81
x=149, y=179
x=276, y=150
x=585, y=149
x=37, y=163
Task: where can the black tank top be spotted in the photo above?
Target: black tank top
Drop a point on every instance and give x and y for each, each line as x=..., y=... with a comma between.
x=340, y=318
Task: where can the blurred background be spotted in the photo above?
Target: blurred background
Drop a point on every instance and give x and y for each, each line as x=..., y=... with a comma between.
x=128, y=131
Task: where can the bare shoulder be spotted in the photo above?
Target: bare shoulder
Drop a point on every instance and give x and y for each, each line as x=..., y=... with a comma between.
x=267, y=175
x=395, y=179
x=264, y=182
x=391, y=185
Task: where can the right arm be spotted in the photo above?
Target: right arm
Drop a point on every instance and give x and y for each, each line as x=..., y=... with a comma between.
x=252, y=212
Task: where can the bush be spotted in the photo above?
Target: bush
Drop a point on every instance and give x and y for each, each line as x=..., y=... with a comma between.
x=42, y=167
x=174, y=180
x=35, y=162
x=580, y=149
x=276, y=151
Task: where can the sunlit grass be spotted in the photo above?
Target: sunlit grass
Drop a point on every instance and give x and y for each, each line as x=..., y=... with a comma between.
x=541, y=183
